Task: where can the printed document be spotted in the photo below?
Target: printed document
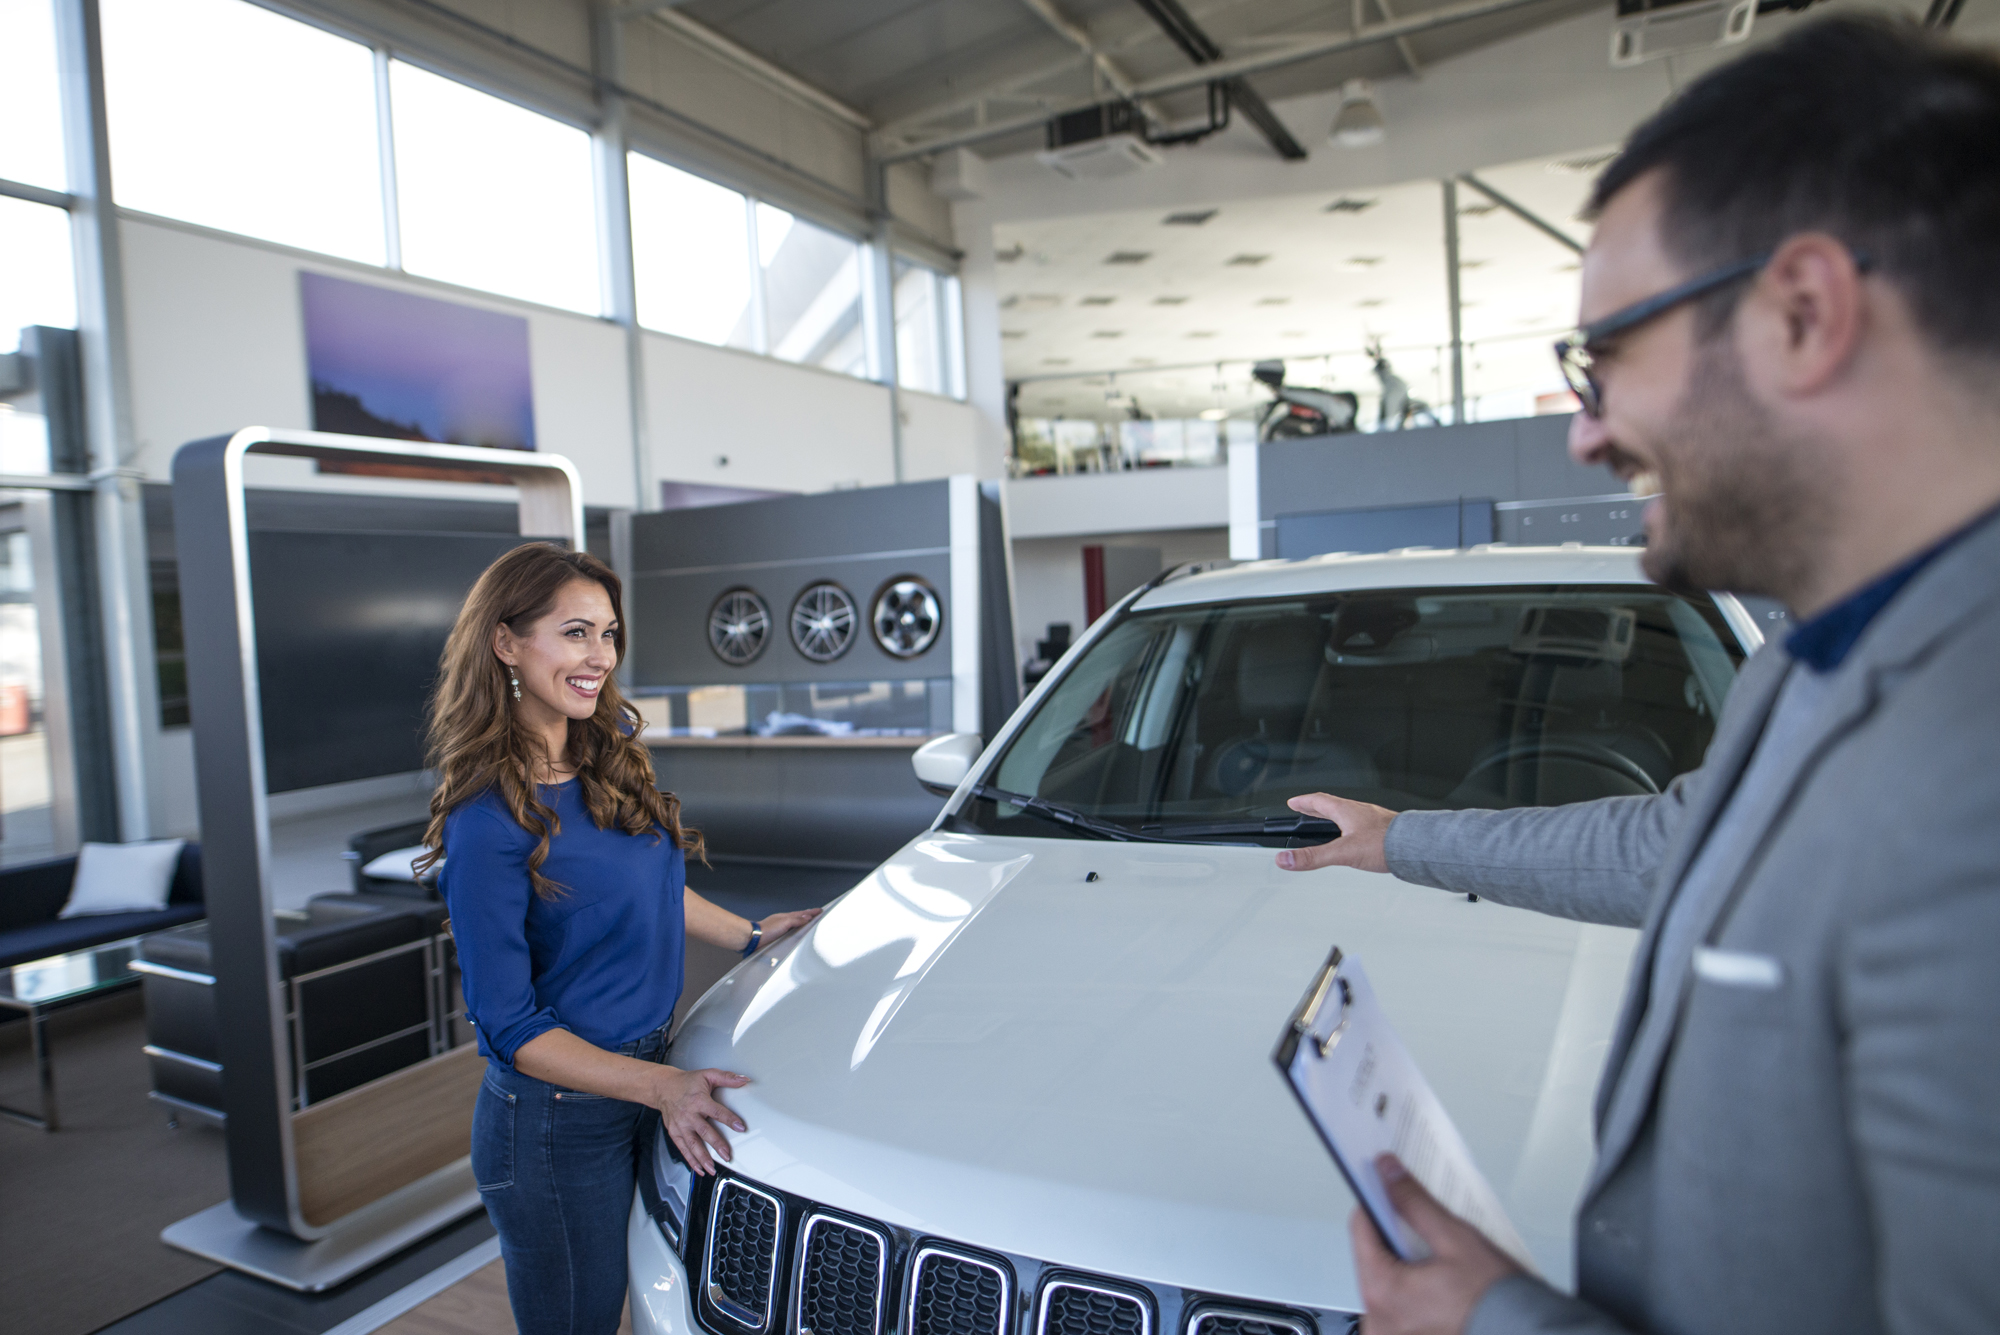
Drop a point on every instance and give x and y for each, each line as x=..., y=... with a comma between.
x=1366, y=1096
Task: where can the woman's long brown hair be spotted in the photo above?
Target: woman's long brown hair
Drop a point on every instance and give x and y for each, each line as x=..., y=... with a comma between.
x=476, y=741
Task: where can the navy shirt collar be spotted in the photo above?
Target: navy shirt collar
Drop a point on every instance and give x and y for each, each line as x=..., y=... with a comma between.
x=1824, y=642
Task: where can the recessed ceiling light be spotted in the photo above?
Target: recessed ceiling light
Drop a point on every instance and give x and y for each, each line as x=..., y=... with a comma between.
x=1348, y=204
x=1201, y=333
x=1191, y=218
x=1108, y=333
x=1293, y=333
x=1145, y=361
x=1361, y=261
x=1128, y=257
x=1478, y=210
x=1472, y=264
x=1097, y=301
x=1568, y=268
x=1247, y=261
x=1367, y=302
x=1274, y=301
x=1034, y=301
x=1177, y=301
x=1013, y=333
x=1055, y=361
x=1010, y=253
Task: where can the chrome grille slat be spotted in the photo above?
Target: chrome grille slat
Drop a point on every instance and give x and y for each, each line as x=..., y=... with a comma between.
x=1077, y=1307
x=843, y=1278
x=952, y=1293
x=740, y=1271
x=1241, y=1321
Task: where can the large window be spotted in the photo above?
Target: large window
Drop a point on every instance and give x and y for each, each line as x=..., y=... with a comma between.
x=233, y=117
x=493, y=195
x=37, y=284
x=31, y=147
x=691, y=255
x=812, y=293
x=930, y=355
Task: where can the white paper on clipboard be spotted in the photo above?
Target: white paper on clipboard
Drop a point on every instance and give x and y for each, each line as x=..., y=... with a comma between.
x=1367, y=1098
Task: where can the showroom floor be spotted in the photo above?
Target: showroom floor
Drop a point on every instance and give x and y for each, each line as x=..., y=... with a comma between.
x=115, y=1175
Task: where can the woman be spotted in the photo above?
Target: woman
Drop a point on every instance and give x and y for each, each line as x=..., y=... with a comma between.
x=564, y=870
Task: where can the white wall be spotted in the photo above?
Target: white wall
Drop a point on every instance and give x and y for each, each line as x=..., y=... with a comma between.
x=941, y=437
x=216, y=343
x=789, y=428
x=1048, y=573
x=1139, y=501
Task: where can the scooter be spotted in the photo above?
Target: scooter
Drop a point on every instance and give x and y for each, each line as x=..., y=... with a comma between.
x=1398, y=411
x=1298, y=411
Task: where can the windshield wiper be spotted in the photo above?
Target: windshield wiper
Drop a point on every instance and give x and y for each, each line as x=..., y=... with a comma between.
x=1069, y=817
x=1298, y=827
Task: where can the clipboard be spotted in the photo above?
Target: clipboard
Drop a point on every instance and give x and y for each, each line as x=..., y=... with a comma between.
x=1366, y=1097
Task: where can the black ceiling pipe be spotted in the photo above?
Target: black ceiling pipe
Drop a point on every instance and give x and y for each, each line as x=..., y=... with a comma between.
x=1180, y=26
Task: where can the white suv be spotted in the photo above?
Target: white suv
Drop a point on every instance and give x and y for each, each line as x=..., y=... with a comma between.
x=1018, y=1081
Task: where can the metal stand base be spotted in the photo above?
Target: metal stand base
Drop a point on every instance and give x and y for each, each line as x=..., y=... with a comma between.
x=370, y=1234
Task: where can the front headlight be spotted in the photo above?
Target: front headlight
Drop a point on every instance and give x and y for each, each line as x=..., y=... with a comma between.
x=672, y=1188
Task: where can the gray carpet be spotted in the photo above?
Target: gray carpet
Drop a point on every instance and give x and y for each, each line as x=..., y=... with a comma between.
x=81, y=1209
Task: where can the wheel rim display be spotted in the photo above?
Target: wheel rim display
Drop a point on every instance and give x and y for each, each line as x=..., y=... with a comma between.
x=907, y=617
x=738, y=626
x=824, y=619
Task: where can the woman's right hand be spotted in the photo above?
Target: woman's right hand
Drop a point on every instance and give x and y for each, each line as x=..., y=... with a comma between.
x=689, y=1110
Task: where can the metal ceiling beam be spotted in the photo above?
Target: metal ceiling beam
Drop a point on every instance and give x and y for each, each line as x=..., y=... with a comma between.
x=1180, y=26
x=891, y=147
x=1403, y=47
x=1078, y=38
x=1533, y=220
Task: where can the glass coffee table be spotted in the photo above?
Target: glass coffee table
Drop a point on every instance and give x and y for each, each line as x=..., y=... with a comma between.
x=39, y=988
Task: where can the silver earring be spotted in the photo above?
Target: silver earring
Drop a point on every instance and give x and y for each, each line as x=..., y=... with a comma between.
x=515, y=682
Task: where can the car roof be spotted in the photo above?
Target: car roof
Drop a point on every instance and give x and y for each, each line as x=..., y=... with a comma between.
x=1414, y=567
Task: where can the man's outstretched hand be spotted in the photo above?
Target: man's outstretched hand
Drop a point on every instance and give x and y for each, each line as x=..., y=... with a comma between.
x=1433, y=1297
x=1362, y=830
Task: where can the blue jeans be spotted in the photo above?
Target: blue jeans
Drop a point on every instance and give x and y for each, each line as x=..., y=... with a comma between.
x=556, y=1170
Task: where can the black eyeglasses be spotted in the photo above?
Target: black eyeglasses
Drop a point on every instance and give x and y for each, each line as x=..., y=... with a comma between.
x=1575, y=352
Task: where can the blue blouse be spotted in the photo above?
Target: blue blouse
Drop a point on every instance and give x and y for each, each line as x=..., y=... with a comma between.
x=604, y=960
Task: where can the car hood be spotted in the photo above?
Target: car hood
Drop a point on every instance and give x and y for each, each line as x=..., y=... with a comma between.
x=1062, y=1049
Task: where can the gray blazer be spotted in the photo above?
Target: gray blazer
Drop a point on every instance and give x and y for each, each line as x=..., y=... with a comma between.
x=1815, y=1147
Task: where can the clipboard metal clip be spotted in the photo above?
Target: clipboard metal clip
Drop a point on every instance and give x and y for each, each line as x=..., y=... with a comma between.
x=1329, y=979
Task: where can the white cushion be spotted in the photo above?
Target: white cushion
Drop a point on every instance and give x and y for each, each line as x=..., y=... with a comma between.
x=123, y=878
x=395, y=865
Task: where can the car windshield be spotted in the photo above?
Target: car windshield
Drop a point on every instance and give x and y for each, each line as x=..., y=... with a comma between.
x=1408, y=698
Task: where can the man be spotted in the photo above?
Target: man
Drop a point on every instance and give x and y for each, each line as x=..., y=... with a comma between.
x=1792, y=307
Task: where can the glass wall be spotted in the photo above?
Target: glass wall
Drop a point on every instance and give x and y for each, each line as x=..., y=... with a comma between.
x=233, y=117
x=30, y=107
x=812, y=293
x=37, y=282
x=690, y=255
x=930, y=352
x=29, y=827
x=493, y=195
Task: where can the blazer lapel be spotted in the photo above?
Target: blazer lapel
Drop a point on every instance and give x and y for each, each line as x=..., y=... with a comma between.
x=1729, y=751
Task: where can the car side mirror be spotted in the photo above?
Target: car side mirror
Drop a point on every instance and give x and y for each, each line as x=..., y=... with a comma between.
x=943, y=762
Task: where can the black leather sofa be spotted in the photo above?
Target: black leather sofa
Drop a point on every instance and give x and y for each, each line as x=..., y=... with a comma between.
x=33, y=894
x=363, y=985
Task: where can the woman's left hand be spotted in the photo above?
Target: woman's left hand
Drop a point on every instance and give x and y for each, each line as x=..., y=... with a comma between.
x=784, y=924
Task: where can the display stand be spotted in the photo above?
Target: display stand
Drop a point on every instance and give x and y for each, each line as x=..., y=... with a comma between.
x=318, y=1194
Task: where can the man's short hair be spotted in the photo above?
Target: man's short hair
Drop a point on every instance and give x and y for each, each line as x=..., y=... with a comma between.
x=1872, y=130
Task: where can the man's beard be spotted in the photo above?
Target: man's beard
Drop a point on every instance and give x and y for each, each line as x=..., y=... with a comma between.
x=1739, y=508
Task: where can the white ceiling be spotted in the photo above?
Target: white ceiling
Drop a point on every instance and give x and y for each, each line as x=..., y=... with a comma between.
x=1331, y=282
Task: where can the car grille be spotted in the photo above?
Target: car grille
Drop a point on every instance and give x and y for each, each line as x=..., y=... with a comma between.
x=843, y=1274
x=951, y=1294
x=1222, y=1321
x=742, y=1253
x=760, y=1273
x=1072, y=1308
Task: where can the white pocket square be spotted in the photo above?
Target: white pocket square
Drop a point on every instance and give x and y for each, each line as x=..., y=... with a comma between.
x=1737, y=968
